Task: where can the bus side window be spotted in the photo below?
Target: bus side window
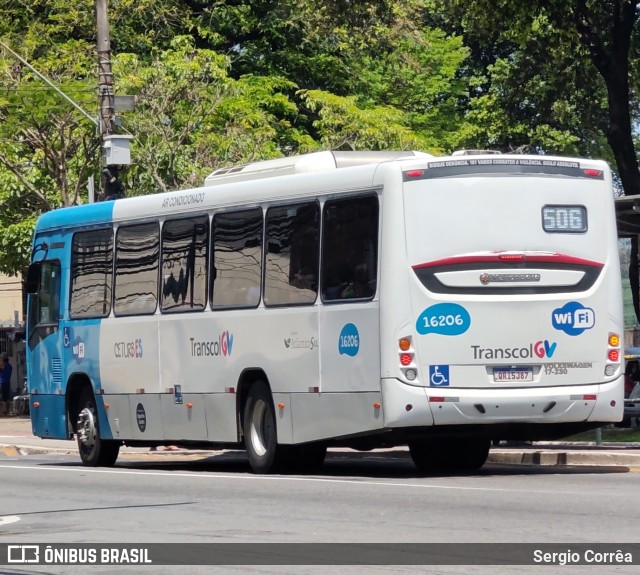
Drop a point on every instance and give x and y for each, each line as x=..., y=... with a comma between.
x=293, y=245
x=236, y=270
x=136, y=270
x=184, y=264
x=44, y=306
x=349, y=249
x=91, y=274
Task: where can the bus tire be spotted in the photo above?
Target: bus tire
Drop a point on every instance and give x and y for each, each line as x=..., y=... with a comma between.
x=306, y=458
x=260, y=433
x=471, y=454
x=427, y=455
x=456, y=454
x=94, y=451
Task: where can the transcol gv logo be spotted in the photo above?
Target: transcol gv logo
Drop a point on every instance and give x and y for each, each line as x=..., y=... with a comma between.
x=541, y=349
x=573, y=318
x=212, y=348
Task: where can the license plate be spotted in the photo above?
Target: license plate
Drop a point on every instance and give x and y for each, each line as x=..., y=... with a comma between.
x=501, y=374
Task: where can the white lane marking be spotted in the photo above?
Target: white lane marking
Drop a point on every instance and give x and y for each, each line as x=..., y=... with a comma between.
x=8, y=519
x=269, y=478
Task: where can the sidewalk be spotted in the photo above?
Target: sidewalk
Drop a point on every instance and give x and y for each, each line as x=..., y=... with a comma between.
x=16, y=439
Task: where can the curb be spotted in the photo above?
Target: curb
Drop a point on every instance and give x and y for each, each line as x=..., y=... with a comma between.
x=564, y=458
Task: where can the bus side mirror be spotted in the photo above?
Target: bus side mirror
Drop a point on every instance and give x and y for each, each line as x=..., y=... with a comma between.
x=33, y=278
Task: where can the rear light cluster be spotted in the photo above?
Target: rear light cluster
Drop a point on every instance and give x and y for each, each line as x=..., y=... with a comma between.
x=613, y=355
x=406, y=356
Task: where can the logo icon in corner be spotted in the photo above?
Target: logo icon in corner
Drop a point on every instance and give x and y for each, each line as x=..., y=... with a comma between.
x=226, y=342
x=573, y=318
x=443, y=319
x=349, y=340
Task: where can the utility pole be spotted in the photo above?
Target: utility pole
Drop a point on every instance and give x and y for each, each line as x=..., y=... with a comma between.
x=105, y=75
x=115, y=149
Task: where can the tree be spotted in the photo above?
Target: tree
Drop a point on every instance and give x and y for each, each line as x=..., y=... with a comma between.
x=547, y=61
x=216, y=83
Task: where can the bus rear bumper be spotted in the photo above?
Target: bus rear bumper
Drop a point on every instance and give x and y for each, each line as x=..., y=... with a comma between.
x=406, y=405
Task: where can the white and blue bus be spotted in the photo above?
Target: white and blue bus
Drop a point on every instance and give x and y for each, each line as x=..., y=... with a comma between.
x=359, y=300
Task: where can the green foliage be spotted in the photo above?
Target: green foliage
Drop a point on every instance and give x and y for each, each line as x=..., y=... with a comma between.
x=342, y=125
x=228, y=82
x=549, y=76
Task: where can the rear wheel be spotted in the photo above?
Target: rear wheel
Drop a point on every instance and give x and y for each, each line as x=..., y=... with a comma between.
x=472, y=454
x=260, y=433
x=94, y=451
x=454, y=454
x=428, y=455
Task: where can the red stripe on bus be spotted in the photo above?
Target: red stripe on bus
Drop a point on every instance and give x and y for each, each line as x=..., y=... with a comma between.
x=509, y=257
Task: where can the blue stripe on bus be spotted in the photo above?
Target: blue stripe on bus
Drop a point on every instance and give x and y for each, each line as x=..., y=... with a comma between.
x=101, y=212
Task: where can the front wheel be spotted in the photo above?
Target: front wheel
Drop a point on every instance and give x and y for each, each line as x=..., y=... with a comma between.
x=94, y=451
x=260, y=433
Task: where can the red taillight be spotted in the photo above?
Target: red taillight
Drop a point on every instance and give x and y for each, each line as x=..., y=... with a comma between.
x=589, y=397
x=415, y=173
x=592, y=173
x=436, y=399
x=511, y=257
x=614, y=355
x=406, y=358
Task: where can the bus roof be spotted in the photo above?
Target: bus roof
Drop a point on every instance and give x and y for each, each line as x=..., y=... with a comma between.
x=363, y=167
x=314, y=162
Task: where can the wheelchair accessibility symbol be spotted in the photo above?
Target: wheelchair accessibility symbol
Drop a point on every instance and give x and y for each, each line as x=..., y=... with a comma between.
x=438, y=375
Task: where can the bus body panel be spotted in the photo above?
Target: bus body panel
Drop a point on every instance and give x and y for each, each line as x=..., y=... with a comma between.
x=350, y=348
x=344, y=414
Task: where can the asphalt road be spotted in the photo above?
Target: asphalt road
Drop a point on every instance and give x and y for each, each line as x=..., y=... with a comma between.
x=51, y=498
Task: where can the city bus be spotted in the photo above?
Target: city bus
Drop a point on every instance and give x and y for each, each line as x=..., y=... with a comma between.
x=337, y=299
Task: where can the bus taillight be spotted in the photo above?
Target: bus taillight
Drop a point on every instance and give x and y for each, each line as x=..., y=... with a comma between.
x=406, y=359
x=613, y=355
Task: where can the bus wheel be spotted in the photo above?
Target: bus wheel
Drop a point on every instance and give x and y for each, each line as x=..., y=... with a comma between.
x=427, y=455
x=260, y=435
x=94, y=451
x=471, y=454
x=306, y=458
x=457, y=454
